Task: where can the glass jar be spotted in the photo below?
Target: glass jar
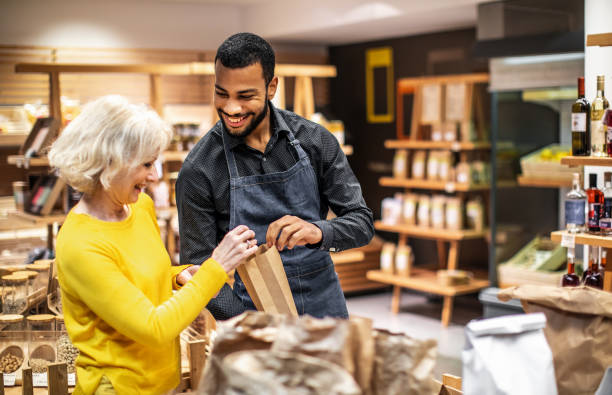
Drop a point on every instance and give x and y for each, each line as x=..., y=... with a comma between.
x=41, y=322
x=31, y=274
x=11, y=322
x=42, y=268
x=14, y=294
x=60, y=325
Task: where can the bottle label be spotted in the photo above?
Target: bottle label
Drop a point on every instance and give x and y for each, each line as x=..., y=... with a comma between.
x=594, y=209
x=605, y=223
x=607, y=208
x=609, y=135
x=579, y=122
x=574, y=212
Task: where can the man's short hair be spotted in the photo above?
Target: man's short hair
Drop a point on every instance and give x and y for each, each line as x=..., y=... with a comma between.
x=245, y=49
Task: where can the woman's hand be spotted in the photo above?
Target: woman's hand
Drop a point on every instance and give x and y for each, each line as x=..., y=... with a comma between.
x=237, y=245
x=185, y=275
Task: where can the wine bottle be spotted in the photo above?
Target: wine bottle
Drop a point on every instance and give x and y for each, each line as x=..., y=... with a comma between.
x=598, y=131
x=595, y=200
x=570, y=279
x=575, y=204
x=581, y=127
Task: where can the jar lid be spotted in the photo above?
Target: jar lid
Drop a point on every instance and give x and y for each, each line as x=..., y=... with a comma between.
x=13, y=268
x=59, y=318
x=41, y=318
x=15, y=278
x=10, y=318
x=39, y=266
x=29, y=273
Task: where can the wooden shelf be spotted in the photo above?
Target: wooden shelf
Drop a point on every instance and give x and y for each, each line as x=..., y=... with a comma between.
x=430, y=233
x=22, y=161
x=12, y=140
x=599, y=40
x=427, y=281
x=448, y=145
x=585, y=161
x=544, y=182
x=193, y=68
x=38, y=219
x=349, y=256
x=447, y=186
x=584, y=238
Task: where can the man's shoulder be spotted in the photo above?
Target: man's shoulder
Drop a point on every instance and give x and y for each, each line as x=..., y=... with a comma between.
x=207, y=146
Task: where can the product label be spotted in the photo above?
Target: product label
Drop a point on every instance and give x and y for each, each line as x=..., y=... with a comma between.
x=594, y=209
x=401, y=262
x=574, y=212
x=71, y=379
x=579, y=122
x=609, y=135
x=39, y=379
x=605, y=223
x=9, y=379
x=386, y=262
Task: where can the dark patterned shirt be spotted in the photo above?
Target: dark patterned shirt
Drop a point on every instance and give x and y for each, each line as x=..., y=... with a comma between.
x=202, y=188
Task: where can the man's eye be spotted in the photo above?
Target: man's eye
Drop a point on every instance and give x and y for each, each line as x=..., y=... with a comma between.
x=247, y=97
x=221, y=94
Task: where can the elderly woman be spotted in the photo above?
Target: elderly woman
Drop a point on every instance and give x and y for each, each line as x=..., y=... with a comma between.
x=115, y=274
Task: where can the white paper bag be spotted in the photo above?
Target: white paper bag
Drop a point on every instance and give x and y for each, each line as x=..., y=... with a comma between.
x=508, y=355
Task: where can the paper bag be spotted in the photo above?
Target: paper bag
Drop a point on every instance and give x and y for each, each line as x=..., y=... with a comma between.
x=578, y=330
x=266, y=282
x=508, y=355
x=403, y=365
x=294, y=373
x=222, y=379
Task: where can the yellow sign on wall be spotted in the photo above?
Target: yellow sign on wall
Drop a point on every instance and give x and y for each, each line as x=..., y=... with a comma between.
x=379, y=58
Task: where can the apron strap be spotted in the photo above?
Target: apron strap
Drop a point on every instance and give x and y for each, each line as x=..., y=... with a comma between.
x=229, y=156
x=296, y=145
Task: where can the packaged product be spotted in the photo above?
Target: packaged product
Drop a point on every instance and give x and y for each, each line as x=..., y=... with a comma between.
x=475, y=214
x=400, y=164
x=403, y=260
x=444, y=166
x=437, y=134
x=409, y=207
x=438, y=203
x=479, y=173
x=424, y=211
x=464, y=173
x=454, y=214
x=418, y=164
x=386, y=257
x=392, y=210
x=433, y=165
x=450, y=131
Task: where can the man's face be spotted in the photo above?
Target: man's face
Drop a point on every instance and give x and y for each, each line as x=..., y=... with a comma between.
x=241, y=97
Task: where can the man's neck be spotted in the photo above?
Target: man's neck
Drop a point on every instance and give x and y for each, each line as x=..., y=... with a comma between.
x=259, y=138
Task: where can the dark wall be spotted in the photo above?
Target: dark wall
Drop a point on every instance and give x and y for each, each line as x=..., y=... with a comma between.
x=428, y=54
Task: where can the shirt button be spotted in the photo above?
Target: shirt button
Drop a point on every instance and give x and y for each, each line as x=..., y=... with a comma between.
x=264, y=158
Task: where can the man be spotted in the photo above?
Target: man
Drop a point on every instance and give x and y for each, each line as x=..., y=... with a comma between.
x=275, y=172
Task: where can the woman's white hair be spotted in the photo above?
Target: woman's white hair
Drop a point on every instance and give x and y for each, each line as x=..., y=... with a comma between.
x=109, y=136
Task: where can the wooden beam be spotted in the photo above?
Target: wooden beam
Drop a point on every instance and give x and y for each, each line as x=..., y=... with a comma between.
x=55, y=104
x=155, y=94
x=58, y=378
x=27, y=386
x=197, y=361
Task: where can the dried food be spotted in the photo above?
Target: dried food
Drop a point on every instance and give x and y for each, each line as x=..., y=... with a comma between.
x=66, y=352
x=10, y=363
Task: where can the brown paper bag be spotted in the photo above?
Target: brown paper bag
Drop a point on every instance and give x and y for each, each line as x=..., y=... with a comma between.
x=403, y=365
x=578, y=330
x=266, y=282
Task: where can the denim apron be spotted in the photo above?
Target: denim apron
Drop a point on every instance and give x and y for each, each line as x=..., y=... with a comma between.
x=257, y=201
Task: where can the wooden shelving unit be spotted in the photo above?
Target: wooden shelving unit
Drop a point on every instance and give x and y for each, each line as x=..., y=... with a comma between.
x=585, y=161
x=23, y=162
x=12, y=140
x=454, y=146
x=432, y=115
x=39, y=219
x=599, y=40
x=447, y=186
x=544, y=182
x=430, y=233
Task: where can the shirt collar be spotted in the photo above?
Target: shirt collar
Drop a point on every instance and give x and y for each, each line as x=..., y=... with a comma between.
x=277, y=124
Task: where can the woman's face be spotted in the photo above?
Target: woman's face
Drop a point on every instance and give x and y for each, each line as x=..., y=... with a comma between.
x=126, y=186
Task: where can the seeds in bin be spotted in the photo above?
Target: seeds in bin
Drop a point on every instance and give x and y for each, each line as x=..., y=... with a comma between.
x=66, y=352
x=39, y=365
x=10, y=363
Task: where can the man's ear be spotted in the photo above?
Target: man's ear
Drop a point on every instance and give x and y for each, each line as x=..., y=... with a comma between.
x=272, y=87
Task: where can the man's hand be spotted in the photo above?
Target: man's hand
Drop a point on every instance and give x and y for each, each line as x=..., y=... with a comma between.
x=292, y=231
x=183, y=277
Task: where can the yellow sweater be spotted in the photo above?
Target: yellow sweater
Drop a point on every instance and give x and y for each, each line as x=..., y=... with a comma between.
x=116, y=283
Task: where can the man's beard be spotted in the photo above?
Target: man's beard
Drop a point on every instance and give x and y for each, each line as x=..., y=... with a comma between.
x=257, y=119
